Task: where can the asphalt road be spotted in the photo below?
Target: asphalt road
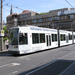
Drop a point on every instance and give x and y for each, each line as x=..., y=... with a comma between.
x=59, y=61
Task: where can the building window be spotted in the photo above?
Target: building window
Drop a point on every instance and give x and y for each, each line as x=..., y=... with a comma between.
x=61, y=17
x=19, y=22
x=39, y=20
x=22, y=23
x=29, y=21
x=70, y=16
x=43, y=19
x=34, y=21
x=46, y=19
x=56, y=18
x=15, y=23
x=50, y=19
x=65, y=17
x=25, y=22
x=23, y=16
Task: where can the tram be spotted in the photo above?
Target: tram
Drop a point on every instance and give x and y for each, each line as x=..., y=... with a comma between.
x=29, y=39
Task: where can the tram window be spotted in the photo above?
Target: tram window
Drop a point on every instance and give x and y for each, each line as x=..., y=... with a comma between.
x=42, y=38
x=70, y=37
x=49, y=40
x=63, y=37
x=35, y=38
x=74, y=36
x=23, y=38
x=67, y=39
x=53, y=37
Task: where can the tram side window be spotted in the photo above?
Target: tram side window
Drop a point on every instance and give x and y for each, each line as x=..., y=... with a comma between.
x=35, y=38
x=70, y=37
x=63, y=37
x=74, y=36
x=54, y=37
x=42, y=38
x=23, y=38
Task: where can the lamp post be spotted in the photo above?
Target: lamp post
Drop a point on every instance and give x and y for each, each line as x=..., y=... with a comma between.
x=1, y=25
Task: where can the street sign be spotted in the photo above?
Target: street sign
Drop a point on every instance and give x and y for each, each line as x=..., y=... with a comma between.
x=1, y=33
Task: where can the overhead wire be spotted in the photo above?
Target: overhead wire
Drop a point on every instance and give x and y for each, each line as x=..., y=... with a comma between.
x=22, y=5
x=15, y=7
x=7, y=3
x=69, y=3
x=6, y=9
x=31, y=4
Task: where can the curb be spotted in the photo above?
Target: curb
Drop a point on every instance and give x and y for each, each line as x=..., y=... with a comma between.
x=1, y=52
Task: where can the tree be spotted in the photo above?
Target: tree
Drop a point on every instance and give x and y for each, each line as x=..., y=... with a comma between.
x=37, y=13
x=5, y=29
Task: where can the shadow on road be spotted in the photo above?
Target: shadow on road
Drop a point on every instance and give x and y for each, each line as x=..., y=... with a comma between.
x=53, y=68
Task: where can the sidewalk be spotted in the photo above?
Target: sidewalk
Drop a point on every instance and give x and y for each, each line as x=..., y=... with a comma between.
x=4, y=51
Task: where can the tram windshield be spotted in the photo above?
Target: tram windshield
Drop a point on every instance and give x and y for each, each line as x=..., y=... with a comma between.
x=13, y=36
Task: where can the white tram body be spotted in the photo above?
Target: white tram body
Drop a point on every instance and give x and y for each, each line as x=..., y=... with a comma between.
x=31, y=39
x=65, y=37
x=28, y=39
x=73, y=37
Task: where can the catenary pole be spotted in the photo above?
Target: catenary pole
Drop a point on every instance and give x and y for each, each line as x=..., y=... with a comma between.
x=1, y=24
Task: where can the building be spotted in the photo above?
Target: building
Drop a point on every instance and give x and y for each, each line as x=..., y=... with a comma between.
x=60, y=18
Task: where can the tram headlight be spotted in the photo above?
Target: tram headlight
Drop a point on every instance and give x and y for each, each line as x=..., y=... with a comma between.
x=15, y=46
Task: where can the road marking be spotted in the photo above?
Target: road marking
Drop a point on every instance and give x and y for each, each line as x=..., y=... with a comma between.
x=49, y=64
x=13, y=72
x=10, y=65
x=40, y=68
x=67, y=68
x=66, y=55
x=14, y=64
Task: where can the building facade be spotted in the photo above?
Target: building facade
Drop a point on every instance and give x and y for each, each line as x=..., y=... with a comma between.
x=60, y=18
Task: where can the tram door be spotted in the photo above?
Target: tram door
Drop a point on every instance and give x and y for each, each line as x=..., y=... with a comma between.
x=48, y=40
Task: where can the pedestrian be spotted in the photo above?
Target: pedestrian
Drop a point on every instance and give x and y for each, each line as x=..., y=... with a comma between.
x=7, y=43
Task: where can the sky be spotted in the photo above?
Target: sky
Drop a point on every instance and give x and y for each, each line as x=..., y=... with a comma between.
x=38, y=6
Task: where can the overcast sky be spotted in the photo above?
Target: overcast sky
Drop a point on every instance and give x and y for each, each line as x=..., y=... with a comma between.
x=34, y=5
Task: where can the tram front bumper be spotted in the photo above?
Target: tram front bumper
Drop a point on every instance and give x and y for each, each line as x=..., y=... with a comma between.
x=14, y=52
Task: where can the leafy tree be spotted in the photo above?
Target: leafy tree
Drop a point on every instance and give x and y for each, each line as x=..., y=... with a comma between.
x=37, y=13
x=5, y=29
